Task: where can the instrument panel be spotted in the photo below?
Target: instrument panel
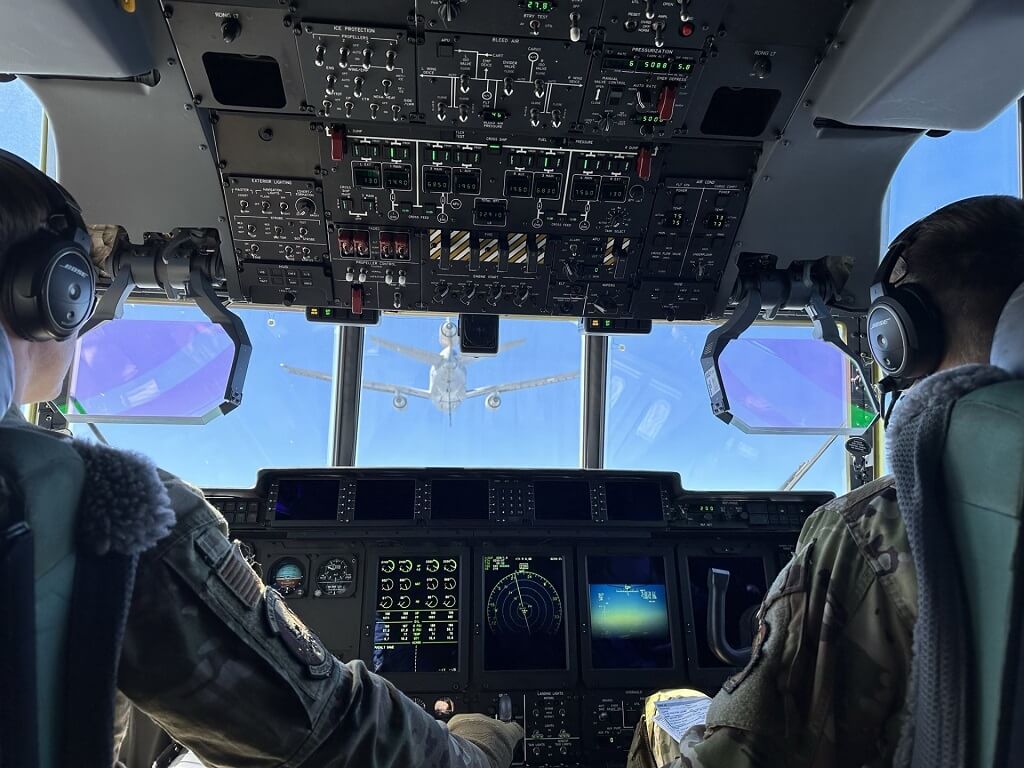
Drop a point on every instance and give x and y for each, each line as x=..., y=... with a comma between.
x=563, y=597
x=533, y=157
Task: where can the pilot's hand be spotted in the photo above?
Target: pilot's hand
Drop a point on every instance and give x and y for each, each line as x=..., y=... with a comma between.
x=495, y=738
x=104, y=238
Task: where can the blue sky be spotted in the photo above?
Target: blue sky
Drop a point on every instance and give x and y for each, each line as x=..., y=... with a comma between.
x=660, y=418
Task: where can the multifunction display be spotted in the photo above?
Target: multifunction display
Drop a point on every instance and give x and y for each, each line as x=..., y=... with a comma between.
x=629, y=614
x=416, y=628
x=525, y=622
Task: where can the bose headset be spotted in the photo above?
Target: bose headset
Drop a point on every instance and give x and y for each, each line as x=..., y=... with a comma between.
x=904, y=328
x=48, y=282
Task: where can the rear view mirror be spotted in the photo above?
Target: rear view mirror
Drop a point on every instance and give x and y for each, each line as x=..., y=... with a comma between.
x=163, y=371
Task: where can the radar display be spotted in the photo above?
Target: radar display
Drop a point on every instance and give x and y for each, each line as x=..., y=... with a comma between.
x=525, y=612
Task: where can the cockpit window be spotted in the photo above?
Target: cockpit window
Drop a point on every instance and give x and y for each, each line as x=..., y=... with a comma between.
x=285, y=417
x=658, y=416
x=938, y=171
x=21, y=121
x=425, y=403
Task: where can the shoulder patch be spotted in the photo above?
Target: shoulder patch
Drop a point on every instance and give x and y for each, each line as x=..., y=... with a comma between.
x=300, y=641
x=240, y=578
x=756, y=652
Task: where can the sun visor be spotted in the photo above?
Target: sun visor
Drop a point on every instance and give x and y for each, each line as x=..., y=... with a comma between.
x=1008, y=343
x=6, y=374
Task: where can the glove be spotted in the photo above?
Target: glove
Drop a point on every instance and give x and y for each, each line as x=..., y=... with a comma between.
x=494, y=738
x=105, y=239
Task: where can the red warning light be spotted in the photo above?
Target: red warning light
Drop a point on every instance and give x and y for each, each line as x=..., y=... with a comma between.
x=687, y=28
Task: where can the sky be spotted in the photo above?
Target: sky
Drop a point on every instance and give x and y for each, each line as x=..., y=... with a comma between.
x=658, y=416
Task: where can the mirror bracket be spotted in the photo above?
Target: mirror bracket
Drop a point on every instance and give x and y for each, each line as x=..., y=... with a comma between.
x=185, y=266
x=766, y=294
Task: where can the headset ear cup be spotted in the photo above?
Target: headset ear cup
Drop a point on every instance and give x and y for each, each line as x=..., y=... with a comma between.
x=48, y=289
x=927, y=330
x=905, y=334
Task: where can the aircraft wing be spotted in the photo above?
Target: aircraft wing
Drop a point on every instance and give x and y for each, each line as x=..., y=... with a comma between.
x=308, y=373
x=413, y=353
x=497, y=389
x=396, y=389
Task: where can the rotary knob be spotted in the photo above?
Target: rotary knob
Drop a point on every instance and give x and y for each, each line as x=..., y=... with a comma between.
x=230, y=30
x=448, y=10
x=762, y=67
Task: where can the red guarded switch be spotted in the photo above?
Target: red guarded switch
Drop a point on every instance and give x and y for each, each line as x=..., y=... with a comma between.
x=667, y=101
x=357, y=299
x=337, y=134
x=643, y=163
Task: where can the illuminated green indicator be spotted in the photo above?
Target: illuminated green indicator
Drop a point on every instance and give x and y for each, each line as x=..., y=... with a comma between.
x=547, y=161
x=540, y=6
x=607, y=323
x=433, y=155
x=328, y=312
x=494, y=147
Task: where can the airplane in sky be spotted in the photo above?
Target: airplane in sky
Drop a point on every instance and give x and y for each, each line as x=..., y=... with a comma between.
x=447, y=388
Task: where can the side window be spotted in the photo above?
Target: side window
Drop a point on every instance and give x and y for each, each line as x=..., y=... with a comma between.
x=22, y=123
x=939, y=171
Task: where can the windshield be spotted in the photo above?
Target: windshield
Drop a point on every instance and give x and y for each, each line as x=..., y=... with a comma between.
x=284, y=419
x=658, y=415
x=424, y=403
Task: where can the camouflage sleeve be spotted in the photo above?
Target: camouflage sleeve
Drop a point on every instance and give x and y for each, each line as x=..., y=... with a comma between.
x=827, y=679
x=225, y=667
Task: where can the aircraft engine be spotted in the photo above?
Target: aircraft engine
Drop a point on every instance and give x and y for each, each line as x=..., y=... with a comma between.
x=400, y=401
x=493, y=402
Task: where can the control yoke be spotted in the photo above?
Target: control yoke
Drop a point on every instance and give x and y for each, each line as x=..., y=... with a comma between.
x=769, y=292
x=186, y=265
x=718, y=584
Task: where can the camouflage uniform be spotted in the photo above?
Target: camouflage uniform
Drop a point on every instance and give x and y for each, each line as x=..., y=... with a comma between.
x=225, y=667
x=828, y=674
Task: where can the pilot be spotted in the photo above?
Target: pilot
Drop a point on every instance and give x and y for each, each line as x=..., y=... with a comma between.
x=827, y=680
x=213, y=656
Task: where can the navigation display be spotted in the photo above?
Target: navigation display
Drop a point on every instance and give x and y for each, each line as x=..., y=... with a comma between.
x=416, y=628
x=628, y=613
x=525, y=623
x=310, y=498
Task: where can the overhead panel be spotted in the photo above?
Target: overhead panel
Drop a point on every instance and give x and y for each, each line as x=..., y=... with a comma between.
x=559, y=159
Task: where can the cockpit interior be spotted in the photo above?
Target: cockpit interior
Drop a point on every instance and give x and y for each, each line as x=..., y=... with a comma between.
x=515, y=340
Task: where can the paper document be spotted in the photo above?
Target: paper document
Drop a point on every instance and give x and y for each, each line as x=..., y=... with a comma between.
x=677, y=716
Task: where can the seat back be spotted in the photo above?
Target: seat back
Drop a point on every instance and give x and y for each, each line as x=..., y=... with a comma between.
x=43, y=476
x=984, y=475
x=983, y=467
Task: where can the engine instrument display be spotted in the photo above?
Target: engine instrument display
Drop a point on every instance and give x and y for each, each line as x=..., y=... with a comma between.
x=525, y=627
x=335, y=578
x=288, y=577
x=628, y=613
x=416, y=628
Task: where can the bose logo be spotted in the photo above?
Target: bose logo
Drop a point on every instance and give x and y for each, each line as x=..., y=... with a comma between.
x=75, y=270
x=880, y=323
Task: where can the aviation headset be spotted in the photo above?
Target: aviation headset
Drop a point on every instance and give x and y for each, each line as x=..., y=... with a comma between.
x=48, y=282
x=904, y=327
